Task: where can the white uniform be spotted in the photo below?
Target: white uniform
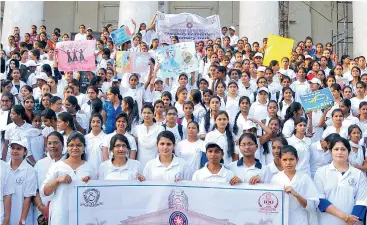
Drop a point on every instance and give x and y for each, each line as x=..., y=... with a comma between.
x=14, y=132
x=303, y=150
x=270, y=170
x=93, y=149
x=343, y=191
x=245, y=173
x=304, y=186
x=147, y=142
x=202, y=125
x=232, y=107
x=7, y=186
x=332, y=130
x=178, y=169
x=221, y=139
x=191, y=152
x=288, y=128
x=108, y=171
x=41, y=168
x=318, y=157
x=224, y=175
x=59, y=212
x=258, y=111
x=25, y=186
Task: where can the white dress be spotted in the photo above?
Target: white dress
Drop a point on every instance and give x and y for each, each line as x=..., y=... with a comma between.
x=191, y=152
x=147, y=143
x=59, y=213
x=108, y=171
x=93, y=149
x=304, y=186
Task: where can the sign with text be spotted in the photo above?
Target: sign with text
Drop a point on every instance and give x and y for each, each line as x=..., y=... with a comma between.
x=121, y=35
x=317, y=100
x=76, y=55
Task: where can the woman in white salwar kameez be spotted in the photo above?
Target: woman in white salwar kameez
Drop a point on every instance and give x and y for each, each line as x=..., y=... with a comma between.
x=62, y=173
x=303, y=195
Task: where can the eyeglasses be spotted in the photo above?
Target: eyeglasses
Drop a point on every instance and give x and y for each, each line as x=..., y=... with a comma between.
x=250, y=144
x=75, y=146
x=120, y=146
x=5, y=101
x=53, y=143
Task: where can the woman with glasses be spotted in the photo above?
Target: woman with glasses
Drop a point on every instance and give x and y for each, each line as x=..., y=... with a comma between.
x=62, y=173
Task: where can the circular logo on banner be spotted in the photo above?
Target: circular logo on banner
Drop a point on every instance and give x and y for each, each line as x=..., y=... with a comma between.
x=91, y=197
x=268, y=202
x=178, y=218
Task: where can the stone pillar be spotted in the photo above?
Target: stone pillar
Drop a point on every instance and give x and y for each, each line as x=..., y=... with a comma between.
x=141, y=12
x=359, y=28
x=258, y=19
x=22, y=14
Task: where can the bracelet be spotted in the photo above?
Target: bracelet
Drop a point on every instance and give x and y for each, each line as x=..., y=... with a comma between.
x=346, y=218
x=39, y=205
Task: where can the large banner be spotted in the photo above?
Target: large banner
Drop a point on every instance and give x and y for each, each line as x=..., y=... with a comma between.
x=76, y=55
x=187, y=27
x=277, y=48
x=176, y=59
x=317, y=100
x=121, y=35
x=132, y=62
x=180, y=203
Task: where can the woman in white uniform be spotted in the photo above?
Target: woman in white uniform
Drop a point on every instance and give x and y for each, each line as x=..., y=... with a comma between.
x=147, y=134
x=119, y=167
x=275, y=166
x=207, y=123
x=192, y=149
x=337, y=126
x=25, y=184
x=293, y=112
x=357, y=157
x=223, y=136
x=302, y=144
x=94, y=141
x=303, y=195
x=7, y=189
x=343, y=194
x=166, y=166
x=62, y=173
x=54, y=146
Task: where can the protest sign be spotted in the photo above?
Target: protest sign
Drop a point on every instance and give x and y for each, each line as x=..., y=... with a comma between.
x=317, y=100
x=187, y=27
x=204, y=203
x=132, y=62
x=76, y=55
x=277, y=48
x=121, y=35
x=176, y=59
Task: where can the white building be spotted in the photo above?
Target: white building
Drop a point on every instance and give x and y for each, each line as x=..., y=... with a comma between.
x=252, y=19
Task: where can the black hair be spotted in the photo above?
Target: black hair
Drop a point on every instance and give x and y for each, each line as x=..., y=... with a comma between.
x=99, y=117
x=54, y=99
x=229, y=135
x=342, y=140
x=235, y=126
x=179, y=91
x=331, y=137
x=248, y=135
x=335, y=111
x=347, y=103
x=58, y=135
x=133, y=111
x=97, y=105
x=67, y=117
x=19, y=109
x=354, y=126
x=148, y=106
x=192, y=105
x=197, y=97
x=207, y=115
x=194, y=122
x=47, y=69
x=294, y=107
x=76, y=135
x=282, y=140
x=166, y=134
x=49, y=114
x=6, y=82
x=288, y=149
x=115, y=91
x=119, y=137
x=74, y=101
x=297, y=121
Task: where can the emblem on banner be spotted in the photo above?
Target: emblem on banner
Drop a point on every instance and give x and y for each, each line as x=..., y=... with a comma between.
x=189, y=21
x=268, y=202
x=91, y=197
x=178, y=218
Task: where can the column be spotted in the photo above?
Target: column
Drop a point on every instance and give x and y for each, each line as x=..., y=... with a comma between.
x=359, y=28
x=141, y=12
x=258, y=19
x=22, y=14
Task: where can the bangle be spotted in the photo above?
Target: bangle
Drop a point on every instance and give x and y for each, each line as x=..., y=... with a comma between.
x=346, y=218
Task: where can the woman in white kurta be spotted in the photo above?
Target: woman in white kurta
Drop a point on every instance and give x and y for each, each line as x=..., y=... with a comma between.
x=94, y=141
x=337, y=125
x=192, y=149
x=343, y=194
x=303, y=196
x=166, y=166
x=357, y=156
x=119, y=167
x=147, y=134
x=54, y=146
x=61, y=174
x=274, y=167
x=25, y=184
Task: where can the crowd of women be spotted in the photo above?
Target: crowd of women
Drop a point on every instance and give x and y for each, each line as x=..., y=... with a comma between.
x=234, y=121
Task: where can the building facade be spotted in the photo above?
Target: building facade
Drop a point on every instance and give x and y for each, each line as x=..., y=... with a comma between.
x=335, y=22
